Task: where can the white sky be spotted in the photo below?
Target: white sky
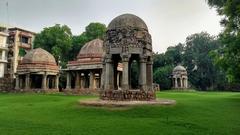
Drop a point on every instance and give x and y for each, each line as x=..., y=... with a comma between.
x=169, y=21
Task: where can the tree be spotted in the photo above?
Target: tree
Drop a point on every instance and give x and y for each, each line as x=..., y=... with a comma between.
x=162, y=76
x=228, y=57
x=201, y=71
x=57, y=40
x=92, y=31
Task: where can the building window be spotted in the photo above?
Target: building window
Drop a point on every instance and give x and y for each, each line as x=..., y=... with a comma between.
x=1, y=55
x=25, y=40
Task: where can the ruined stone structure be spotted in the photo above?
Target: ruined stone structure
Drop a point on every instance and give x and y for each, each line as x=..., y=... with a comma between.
x=84, y=75
x=20, y=42
x=37, y=71
x=127, y=40
x=179, y=78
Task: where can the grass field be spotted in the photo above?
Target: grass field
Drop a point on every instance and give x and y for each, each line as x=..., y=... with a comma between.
x=206, y=113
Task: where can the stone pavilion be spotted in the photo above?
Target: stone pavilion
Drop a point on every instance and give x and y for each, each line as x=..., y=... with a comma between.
x=38, y=72
x=127, y=41
x=179, y=77
x=85, y=73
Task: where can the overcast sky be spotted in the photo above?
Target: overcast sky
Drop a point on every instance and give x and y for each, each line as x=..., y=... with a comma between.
x=169, y=21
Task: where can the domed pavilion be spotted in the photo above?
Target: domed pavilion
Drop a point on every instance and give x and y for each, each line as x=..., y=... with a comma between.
x=179, y=77
x=85, y=73
x=38, y=71
x=128, y=41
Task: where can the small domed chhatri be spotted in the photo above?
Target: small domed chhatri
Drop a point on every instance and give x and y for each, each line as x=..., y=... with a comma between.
x=37, y=60
x=179, y=77
x=86, y=70
x=90, y=53
x=127, y=20
x=92, y=50
x=179, y=68
x=38, y=65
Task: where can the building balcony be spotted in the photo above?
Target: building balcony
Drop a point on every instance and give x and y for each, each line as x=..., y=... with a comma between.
x=3, y=47
x=3, y=60
x=25, y=45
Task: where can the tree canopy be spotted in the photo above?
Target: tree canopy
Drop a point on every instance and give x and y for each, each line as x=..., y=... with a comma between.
x=92, y=31
x=194, y=54
x=228, y=56
x=57, y=40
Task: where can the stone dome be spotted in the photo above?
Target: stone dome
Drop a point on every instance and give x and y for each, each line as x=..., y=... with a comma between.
x=127, y=20
x=179, y=68
x=38, y=59
x=92, y=49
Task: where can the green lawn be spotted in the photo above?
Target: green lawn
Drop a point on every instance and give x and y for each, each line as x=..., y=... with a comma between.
x=205, y=113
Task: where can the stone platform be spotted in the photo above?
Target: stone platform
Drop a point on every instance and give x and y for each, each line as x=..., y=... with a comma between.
x=127, y=95
x=114, y=103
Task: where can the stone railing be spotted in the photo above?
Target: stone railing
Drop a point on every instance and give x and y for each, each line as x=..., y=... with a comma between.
x=127, y=95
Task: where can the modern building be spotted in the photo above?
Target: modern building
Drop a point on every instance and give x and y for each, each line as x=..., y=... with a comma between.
x=20, y=42
x=3, y=50
x=179, y=77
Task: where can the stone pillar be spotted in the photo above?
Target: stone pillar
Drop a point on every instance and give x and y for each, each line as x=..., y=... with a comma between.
x=142, y=76
x=17, y=82
x=27, y=80
x=102, y=77
x=186, y=82
x=68, y=86
x=44, y=81
x=77, y=86
x=125, y=73
x=150, y=75
x=82, y=81
x=109, y=74
x=56, y=81
x=118, y=79
x=92, y=80
x=176, y=83
x=181, y=82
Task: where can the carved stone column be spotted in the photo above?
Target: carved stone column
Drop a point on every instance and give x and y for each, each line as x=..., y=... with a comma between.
x=77, y=85
x=181, y=82
x=109, y=74
x=186, y=82
x=68, y=86
x=17, y=82
x=118, y=79
x=101, y=79
x=92, y=80
x=143, y=72
x=27, y=80
x=176, y=83
x=125, y=77
x=56, y=81
x=44, y=81
x=150, y=75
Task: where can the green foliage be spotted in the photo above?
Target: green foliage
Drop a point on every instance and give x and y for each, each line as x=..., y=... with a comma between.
x=95, y=30
x=22, y=52
x=92, y=31
x=57, y=40
x=227, y=57
x=196, y=113
x=195, y=56
x=162, y=76
x=202, y=73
